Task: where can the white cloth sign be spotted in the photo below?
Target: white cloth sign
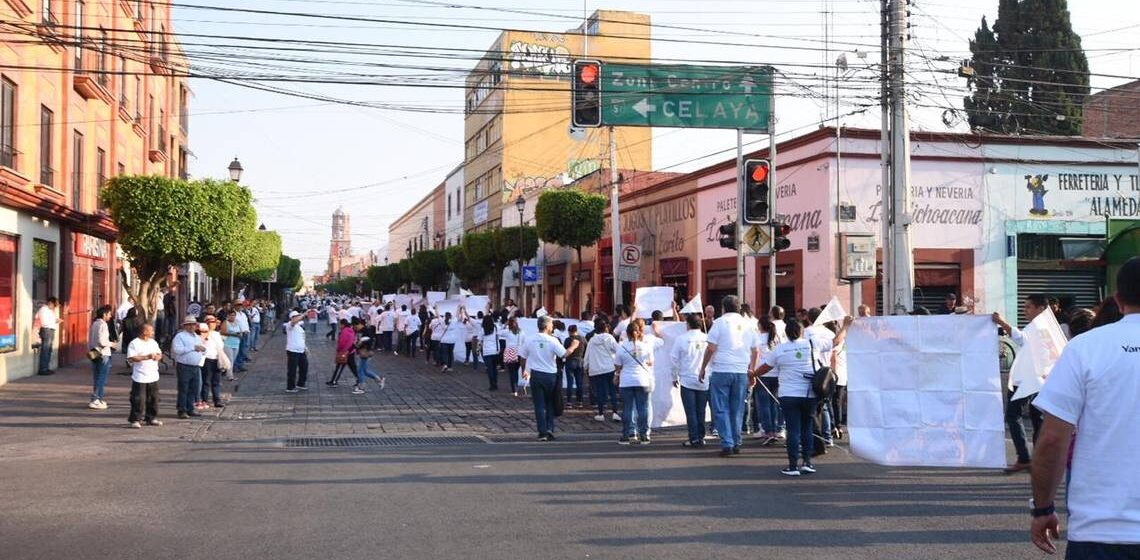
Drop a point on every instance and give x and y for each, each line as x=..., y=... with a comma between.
x=665, y=408
x=389, y=298
x=1044, y=342
x=833, y=312
x=447, y=306
x=540, y=313
x=654, y=298
x=694, y=306
x=465, y=293
x=436, y=297
x=925, y=391
x=475, y=304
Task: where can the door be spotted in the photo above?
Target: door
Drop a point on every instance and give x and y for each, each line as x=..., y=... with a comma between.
x=98, y=289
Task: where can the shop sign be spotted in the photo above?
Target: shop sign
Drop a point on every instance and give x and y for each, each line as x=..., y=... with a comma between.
x=479, y=213
x=91, y=246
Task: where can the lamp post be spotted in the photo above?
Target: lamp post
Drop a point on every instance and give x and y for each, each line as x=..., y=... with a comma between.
x=235, y=170
x=520, y=204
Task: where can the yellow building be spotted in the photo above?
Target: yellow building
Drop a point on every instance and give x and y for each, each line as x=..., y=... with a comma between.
x=518, y=115
x=88, y=90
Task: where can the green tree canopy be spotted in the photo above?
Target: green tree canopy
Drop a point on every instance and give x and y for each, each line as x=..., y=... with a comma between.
x=428, y=268
x=570, y=218
x=166, y=222
x=255, y=260
x=386, y=279
x=1031, y=75
x=289, y=273
x=516, y=242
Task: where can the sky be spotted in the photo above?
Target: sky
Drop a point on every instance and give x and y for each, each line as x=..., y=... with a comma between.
x=378, y=148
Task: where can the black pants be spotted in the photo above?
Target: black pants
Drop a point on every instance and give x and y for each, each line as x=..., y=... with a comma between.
x=144, y=401
x=1101, y=551
x=297, y=370
x=839, y=406
x=386, y=341
x=211, y=382
x=413, y=339
x=351, y=363
x=447, y=354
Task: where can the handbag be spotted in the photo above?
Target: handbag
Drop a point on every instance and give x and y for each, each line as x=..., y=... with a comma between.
x=823, y=380
x=342, y=358
x=94, y=355
x=511, y=355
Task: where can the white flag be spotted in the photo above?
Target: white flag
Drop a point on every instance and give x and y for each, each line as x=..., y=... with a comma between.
x=833, y=312
x=465, y=293
x=1044, y=341
x=694, y=306
x=540, y=313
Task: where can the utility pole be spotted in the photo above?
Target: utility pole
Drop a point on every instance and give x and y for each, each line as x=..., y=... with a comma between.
x=740, y=215
x=772, y=167
x=615, y=218
x=885, y=160
x=901, y=265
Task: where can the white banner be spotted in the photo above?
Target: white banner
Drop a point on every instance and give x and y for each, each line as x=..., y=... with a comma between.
x=389, y=298
x=436, y=297
x=654, y=298
x=925, y=391
x=833, y=312
x=1044, y=341
x=475, y=304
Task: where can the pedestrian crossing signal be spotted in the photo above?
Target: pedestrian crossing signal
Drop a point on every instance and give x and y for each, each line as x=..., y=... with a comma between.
x=586, y=95
x=727, y=236
x=757, y=191
x=780, y=232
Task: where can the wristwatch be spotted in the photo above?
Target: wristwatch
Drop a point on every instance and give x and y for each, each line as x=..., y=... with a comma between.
x=1041, y=511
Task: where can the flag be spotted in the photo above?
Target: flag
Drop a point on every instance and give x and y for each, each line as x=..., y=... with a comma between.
x=540, y=313
x=694, y=306
x=1044, y=341
x=465, y=293
x=833, y=312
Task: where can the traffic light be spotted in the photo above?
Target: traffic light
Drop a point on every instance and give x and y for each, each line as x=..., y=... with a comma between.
x=586, y=110
x=756, y=191
x=780, y=239
x=728, y=236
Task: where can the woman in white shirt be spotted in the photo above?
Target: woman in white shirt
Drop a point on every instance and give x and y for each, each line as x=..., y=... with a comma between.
x=539, y=356
x=768, y=411
x=212, y=370
x=489, y=341
x=634, y=362
x=600, y=351
x=473, y=329
x=99, y=340
x=685, y=358
x=514, y=339
x=435, y=336
x=451, y=333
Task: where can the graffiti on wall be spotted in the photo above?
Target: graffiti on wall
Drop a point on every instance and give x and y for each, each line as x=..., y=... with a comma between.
x=526, y=184
x=539, y=60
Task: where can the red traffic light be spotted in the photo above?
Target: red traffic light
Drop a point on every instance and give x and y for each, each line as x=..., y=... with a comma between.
x=588, y=74
x=782, y=230
x=760, y=173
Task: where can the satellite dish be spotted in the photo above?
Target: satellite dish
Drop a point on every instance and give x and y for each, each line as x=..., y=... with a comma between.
x=577, y=134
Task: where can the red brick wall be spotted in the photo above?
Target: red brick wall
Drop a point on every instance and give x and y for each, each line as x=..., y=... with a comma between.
x=1113, y=113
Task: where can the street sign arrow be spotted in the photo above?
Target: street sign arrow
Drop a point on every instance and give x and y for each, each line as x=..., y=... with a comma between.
x=643, y=107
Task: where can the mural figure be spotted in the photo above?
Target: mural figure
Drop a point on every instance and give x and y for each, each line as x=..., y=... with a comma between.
x=1036, y=185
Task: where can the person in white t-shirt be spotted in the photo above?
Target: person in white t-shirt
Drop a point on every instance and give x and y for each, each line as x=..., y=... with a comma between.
x=685, y=358
x=514, y=339
x=819, y=336
x=48, y=318
x=767, y=405
x=732, y=346
x=776, y=314
x=600, y=366
x=1093, y=388
x=473, y=326
x=144, y=354
x=385, y=324
x=489, y=342
x=412, y=326
x=634, y=361
x=296, y=352
x=452, y=332
x=538, y=356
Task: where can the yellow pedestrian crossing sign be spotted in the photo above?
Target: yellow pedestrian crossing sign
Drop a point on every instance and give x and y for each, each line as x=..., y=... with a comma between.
x=757, y=241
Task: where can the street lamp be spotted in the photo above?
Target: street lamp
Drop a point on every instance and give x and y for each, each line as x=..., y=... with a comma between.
x=235, y=169
x=520, y=204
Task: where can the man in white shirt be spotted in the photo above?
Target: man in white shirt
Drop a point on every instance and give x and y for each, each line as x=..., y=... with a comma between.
x=243, y=328
x=776, y=314
x=144, y=354
x=731, y=348
x=1093, y=389
x=539, y=357
x=297, y=368
x=385, y=324
x=48, y=318
x=1034, y=305
x=189, y=352
x=254, y=325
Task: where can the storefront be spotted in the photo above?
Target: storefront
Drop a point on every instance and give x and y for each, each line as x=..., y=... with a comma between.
x=29, y=274
x=89, y=282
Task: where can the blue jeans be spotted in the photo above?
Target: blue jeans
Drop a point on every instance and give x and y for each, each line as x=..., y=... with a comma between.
x=603, y=386
x=635, y=401
x=189, y=385
x=726, y=392
x=696, y=403
x=798, y=412
x=254, y=334
x=47, y=347
x=492, y=362
x=574, y=380
x=386, y=341
x=827, y=424
x=100, y=369
x=362, y=371
x=542, y=391
x=771, y=418
x=243, y=351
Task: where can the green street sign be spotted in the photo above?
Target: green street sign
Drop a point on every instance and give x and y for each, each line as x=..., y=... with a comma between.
x=686, y=96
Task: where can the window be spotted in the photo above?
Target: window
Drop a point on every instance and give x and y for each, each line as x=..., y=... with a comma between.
x=449, y=206
x=78, y=34
x=8, y=124
x=138, y=99
x=123, y=82
x=458, y=201
x=162, y=42
x=139, y=9
x=100, y=175
x=77, y=170
x=120, y=169
x=47, y=122
x=104, y=66
x=8, y=244
x=48, y=15
x=43, y=269
x=592, y=26
x=478, y=188
x=184, y=110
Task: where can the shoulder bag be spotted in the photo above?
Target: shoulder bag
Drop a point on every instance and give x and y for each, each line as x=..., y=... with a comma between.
x=823, y=380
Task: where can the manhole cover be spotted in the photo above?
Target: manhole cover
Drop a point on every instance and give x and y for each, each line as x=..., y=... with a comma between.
x=380, y=441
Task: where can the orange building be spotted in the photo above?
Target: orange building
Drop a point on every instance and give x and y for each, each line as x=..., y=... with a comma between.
x=87, y=91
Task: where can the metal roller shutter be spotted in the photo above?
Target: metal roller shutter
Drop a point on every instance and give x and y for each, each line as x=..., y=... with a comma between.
x=1084, y=285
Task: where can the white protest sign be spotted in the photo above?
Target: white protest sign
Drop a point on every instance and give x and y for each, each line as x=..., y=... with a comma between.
x=475, y=304
x=694, y=306
x=925, y=391
x=665, y=408
x=1044, y=341
x=448, y=306
x=833, y=312
x=654, y=298
x=436, y=297
x=389, y=298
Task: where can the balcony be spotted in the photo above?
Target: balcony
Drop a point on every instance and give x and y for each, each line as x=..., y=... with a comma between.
x=124, y=111
x=9, y=159
x=158, y=152
x=48, y=28
x=137, y=125
x=92, y=78
x=158, y=63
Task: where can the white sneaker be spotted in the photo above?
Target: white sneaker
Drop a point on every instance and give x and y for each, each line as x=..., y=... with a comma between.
x=357, y=391
x=94, y=404
x=136, y=425
x=600, y=418
x=617, y=417
x=98, y=405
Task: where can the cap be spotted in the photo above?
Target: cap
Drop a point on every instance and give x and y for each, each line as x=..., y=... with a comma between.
x=189, y=321
x=294, y=314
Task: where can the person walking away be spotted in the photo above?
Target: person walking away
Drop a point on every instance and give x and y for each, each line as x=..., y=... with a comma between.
x=685, y=360
x=363, y=353
x=254, y=326
x=795, y=362
x=412, y=326
x=435, y=334
x=489, y=342
x=573, y=365
x=313, y=317
x=212, y=370
x=231, y=339
x=144, y=354
x=99, y=340
x=634, y=363
x=822, y=336
x=48, y=318
x=731, y=348
x=385, y=325
x=768, y=405
x=453, y=333
x=472, y=325
x=1094, y=388
x=296, y=353
x=601, y=353
x=345, y=353
x=538, y=356
x=776, y=315
x=242, y=321
x=189, y=355
x=1015, y=409
x=514, y=338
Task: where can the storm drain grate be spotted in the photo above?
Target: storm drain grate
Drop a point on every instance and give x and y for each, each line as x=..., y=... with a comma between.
x=381, y=441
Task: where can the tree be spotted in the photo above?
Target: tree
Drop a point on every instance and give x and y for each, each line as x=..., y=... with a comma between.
x=1030, y=72
x=479, y=251
x=289, y=273
x=254, y=261
x=385, y=279
x=166, y=222
x=470, y=269
x=570, y=218
x=428, y=268
x=518, y=243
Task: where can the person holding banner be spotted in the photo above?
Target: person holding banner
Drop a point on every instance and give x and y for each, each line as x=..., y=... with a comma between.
x=731, y=349
x=634, y=366
x=685, y=358
x=600, y=351
x=538, y=357
x=764, y=394
x=1015, y=408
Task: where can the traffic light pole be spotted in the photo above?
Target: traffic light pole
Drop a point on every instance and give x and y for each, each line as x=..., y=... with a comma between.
x=772, y=198
x=739, y=216
x=615, y=218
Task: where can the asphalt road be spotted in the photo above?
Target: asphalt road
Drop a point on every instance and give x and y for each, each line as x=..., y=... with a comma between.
x=497, y=501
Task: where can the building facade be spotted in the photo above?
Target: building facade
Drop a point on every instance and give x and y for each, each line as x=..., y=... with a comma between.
x=1113, y=113
x=88, y=91
x=340, y=242
x=418, y=228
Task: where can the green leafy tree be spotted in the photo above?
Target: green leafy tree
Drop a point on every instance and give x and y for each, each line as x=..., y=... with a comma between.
x=471, y=268
x=570, y=218
x=428, y=268
x=482, y=258
x=519, y=244
x=1030, y=73
x=289, y=273
x=166, y=222
x=254, y=261
x=386, y=279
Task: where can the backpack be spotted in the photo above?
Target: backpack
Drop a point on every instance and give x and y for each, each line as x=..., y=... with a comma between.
x=823, y=380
